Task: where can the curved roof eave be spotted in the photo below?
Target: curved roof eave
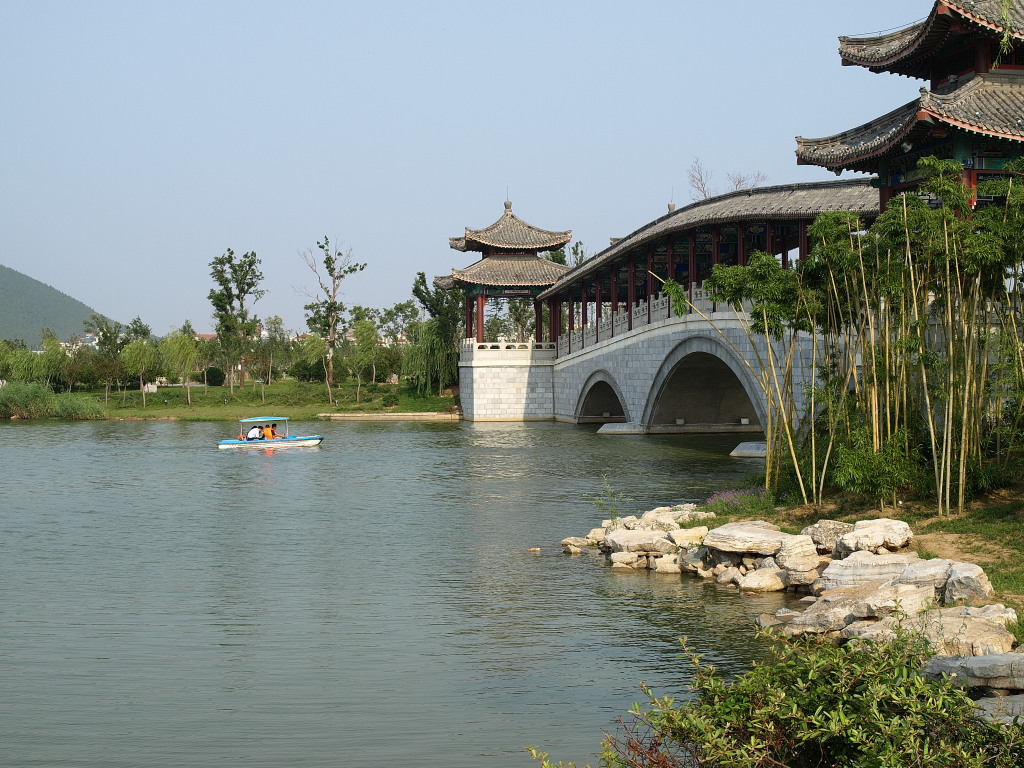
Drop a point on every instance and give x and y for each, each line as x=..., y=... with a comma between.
x=903, y=51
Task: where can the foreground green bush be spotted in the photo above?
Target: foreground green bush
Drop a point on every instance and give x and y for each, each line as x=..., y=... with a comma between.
x=816, y=705
x=26, y=400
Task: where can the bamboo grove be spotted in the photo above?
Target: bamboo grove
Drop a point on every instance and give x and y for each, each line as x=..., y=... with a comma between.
x=911, y=331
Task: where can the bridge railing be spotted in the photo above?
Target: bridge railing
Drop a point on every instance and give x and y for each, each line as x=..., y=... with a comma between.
x=473, y=350
x=627, y=319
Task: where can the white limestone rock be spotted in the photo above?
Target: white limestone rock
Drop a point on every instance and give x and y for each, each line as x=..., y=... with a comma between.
x=625, y=540
x=596, y=535
x=927, y=573
x=1003, y=671
x=948, y=635
x=824, y=534
x=831, y=612
x=904, y=599
x=967, y=583
x=762, y=580
x=728, y=576
x=878, y=536
x=688, y=537
x=754, y=536
x=667, y=564
x=797, y=553
x=863, y=568
x=576, y=541
x=625, y=558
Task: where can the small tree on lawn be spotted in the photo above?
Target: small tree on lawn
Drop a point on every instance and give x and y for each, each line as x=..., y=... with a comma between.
x=330, y=267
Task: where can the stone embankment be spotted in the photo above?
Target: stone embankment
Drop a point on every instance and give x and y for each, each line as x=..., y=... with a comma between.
x=861, y=580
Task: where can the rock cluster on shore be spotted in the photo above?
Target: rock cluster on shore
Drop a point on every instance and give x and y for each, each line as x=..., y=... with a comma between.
x=861, y=580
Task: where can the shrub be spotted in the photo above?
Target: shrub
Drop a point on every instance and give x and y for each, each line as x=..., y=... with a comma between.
x=307, y=370
x=817, y=705
x=740, y=503
x=26, y=400
x=77, y=408
x=389, y=400
x=215, y=376
x=610, y=502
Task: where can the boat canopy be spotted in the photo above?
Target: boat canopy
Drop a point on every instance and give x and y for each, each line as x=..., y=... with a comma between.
x=262, y=419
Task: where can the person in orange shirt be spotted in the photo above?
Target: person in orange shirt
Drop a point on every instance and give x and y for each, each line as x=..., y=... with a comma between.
x=268, y=432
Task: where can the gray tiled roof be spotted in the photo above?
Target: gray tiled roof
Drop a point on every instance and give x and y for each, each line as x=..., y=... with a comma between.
x=990, y=104
x=510, y=232
x=907, y=50
x=785, y=202
x=510, y=271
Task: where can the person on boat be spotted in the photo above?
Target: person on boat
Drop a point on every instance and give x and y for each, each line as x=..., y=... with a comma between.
x=268, y=432
x=273, y=431
x=254, y=433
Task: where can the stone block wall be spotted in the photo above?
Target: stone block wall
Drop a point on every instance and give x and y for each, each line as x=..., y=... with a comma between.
x=507, y=390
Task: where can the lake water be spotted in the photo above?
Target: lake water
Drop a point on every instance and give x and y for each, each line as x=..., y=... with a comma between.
x=367, y=603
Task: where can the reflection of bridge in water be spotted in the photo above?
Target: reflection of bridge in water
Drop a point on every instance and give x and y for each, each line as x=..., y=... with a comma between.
x=636, y=360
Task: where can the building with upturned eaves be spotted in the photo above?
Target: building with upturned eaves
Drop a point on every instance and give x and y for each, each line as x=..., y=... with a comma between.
x=971, y=111
x=510, y=266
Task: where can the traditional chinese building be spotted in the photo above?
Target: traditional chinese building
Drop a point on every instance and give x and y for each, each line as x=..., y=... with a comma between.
x=620, y=287
x=510, y=267
x=971, y=111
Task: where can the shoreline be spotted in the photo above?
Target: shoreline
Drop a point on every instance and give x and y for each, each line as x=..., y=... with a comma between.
x=421, y=416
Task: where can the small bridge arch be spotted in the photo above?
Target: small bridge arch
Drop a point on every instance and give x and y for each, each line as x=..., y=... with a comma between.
x=703, y=384
x=601, y=400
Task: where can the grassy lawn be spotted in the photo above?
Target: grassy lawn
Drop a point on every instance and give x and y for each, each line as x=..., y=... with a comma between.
x=294, y=399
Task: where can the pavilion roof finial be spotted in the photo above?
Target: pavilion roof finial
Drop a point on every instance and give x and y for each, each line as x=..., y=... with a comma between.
x=508, y=206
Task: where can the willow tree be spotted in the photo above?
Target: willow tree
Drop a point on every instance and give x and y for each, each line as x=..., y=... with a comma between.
x=432, y=360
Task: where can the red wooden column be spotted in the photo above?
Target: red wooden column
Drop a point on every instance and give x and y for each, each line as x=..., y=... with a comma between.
x=469, y=317
x=693, y=261
x=615, y=294
x=583, y=314
x=481, y=300
x=769, y=237
x=538, y=322
x=805, y=244
x=716, y=244
x=572, y=318
x=671, y=269
x=631, y=291
x=598, y=306
x=741, y=244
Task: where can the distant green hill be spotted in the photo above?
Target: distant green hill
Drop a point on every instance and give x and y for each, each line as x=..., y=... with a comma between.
x=27, y=306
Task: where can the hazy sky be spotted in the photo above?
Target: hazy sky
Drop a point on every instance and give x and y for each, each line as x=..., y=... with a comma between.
x=139, y=140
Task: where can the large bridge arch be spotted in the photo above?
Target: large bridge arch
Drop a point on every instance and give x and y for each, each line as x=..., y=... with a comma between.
x=601, y=400
x=704, y=382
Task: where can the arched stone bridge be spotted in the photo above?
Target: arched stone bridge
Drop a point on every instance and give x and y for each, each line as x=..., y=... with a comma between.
x=676, y=373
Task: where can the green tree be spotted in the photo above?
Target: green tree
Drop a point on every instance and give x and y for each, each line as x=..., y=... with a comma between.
x=432, y=360
x=109, y=343
x=362, y=357
x=325, y=312
x=180, y=352
x=139, y=358
x=237, y=285
x=273, y=352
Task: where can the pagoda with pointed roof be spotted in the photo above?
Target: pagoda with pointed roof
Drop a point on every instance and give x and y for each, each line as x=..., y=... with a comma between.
x=510, y=266
x=971, y=111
